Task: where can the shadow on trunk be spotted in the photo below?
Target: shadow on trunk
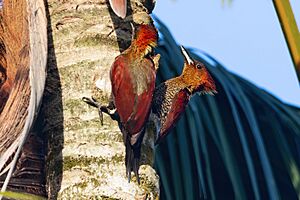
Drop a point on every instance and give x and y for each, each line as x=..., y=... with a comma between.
x=120, y=26
x=52, y=114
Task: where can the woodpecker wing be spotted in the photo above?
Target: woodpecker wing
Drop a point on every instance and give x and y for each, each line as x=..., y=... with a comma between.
x=119, y=7
x=133, y=84
x=172, y=112
x=122, y=89
x=132, y=90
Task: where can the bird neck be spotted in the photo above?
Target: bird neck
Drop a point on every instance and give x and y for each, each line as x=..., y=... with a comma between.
x=140, y=50
x=187, y=79
x=145, y=39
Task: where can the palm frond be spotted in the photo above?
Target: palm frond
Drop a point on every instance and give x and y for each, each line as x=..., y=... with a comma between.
x=242, y=143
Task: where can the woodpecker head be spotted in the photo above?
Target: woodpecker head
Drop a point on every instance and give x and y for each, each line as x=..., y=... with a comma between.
x=145, y=38
x=196, y=76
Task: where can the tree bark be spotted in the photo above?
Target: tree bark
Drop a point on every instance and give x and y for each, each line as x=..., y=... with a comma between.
x=86, y=160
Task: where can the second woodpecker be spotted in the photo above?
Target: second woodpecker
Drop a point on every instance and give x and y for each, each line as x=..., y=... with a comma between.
x=171, y=97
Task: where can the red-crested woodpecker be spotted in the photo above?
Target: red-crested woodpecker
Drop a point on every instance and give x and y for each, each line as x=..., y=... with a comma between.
x=132, y=77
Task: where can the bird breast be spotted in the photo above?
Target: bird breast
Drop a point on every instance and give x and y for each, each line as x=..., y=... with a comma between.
x=143, y=75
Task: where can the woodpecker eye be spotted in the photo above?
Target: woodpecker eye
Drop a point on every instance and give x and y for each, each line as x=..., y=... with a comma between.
x=199, y=65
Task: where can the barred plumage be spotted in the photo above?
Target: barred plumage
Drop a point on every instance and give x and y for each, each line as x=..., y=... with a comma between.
x=164, y=95
x=171, y=97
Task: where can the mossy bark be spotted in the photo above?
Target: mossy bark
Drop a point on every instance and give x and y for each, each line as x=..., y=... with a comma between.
x=85, y=159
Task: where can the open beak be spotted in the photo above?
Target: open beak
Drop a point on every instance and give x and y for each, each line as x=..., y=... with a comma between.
x=187, y=58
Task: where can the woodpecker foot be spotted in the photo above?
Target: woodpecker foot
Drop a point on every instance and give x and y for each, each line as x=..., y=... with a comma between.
x=110, y=110
x=93, y=102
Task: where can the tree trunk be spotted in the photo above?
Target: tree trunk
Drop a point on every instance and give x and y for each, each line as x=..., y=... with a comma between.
x=85, y=159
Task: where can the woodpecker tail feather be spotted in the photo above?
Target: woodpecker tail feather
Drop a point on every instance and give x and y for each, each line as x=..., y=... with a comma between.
x=133, y=155
x=132, y=161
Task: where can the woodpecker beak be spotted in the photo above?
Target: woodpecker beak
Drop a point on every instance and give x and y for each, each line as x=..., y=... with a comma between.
x=187, y=58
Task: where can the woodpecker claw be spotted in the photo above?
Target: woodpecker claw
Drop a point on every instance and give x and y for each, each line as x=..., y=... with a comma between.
x=89, y=101
x=109, y=110
x=93, y=102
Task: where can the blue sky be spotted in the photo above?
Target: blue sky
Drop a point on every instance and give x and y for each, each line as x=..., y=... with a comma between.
x=245, y=36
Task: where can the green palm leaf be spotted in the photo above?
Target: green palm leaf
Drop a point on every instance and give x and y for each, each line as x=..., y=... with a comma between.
x=243, y=143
